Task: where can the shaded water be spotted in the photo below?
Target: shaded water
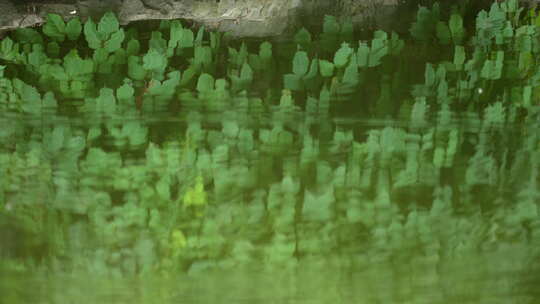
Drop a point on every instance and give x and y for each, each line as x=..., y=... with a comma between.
x=312, y=219
x=365, y=197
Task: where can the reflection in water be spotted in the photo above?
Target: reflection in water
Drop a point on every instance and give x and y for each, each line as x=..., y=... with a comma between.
x=269, y=211
x=471, y=279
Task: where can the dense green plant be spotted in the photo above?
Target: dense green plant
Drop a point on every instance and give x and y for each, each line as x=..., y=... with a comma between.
x=493, y=61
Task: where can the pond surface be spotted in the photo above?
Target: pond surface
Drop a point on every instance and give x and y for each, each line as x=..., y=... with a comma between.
x=408, y=179
x=310, y=217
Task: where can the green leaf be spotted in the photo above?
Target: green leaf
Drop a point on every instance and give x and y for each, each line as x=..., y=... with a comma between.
x=256, y=63
x=379, y=49
x=154, y=61
x=125, y=92
x=395, y=45
x=167, y=88
x=508, y=31
x=362, y=56
x=499, y=62
x=75, y=143
x=293, y=82
x=371, y=57
x=351, y=76
x=9, y=51
x=108, y=25
x=246, y=74
x=49, y=101
x=459, y=56
x=186, y=39
x=382, y=36
x=55, y=27
x=265, y=51
x=425, y=25
x=205, y=83
x=28, y=35
x=524, y=42
x=329, y=39
x=175, y=34
x=347, y=30
x=237, y=58
x=37, y=57
x=202, y=56
x=313, y=70
x=135, y=68
x=189, y=75
x=215, y=41
x=157, y=42
x=429, y=75
x=488, y=26
x=6, y=47
x=73, y=29
x=74, y=65
x=163, y=189
x=86, y=68
x=30, y=99
x=341, y=58
x=324, y=98
x=442, y=91
x=303, y=37
x=200, y=35
x=456, y=28
x=133, y=47
x=164, y=25
x=443, y=33
x=105, y=102
x=119, y=57
x=56, y=71
x=56, y=139
x=100, y=55
x=326, y=67
x=492, y=69
x=526, y=60
x=53, y=49
x=285, y=102
x=115, y=41
x=221, y=85
x=91, y=35
x=318, y=207
x=300, y=63
x=64, y=87
x=77, y=89
x=330, y=25
x=510, y=6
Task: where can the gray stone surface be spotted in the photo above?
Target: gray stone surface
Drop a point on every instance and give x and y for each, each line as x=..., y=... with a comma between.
x=253, y=18
x=242, y=18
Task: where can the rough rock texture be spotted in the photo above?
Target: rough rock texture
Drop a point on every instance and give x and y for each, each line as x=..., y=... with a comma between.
x=242, y=18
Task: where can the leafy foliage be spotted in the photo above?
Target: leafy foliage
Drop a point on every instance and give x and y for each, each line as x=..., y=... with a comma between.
x=242, y=179
x=501, y=49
